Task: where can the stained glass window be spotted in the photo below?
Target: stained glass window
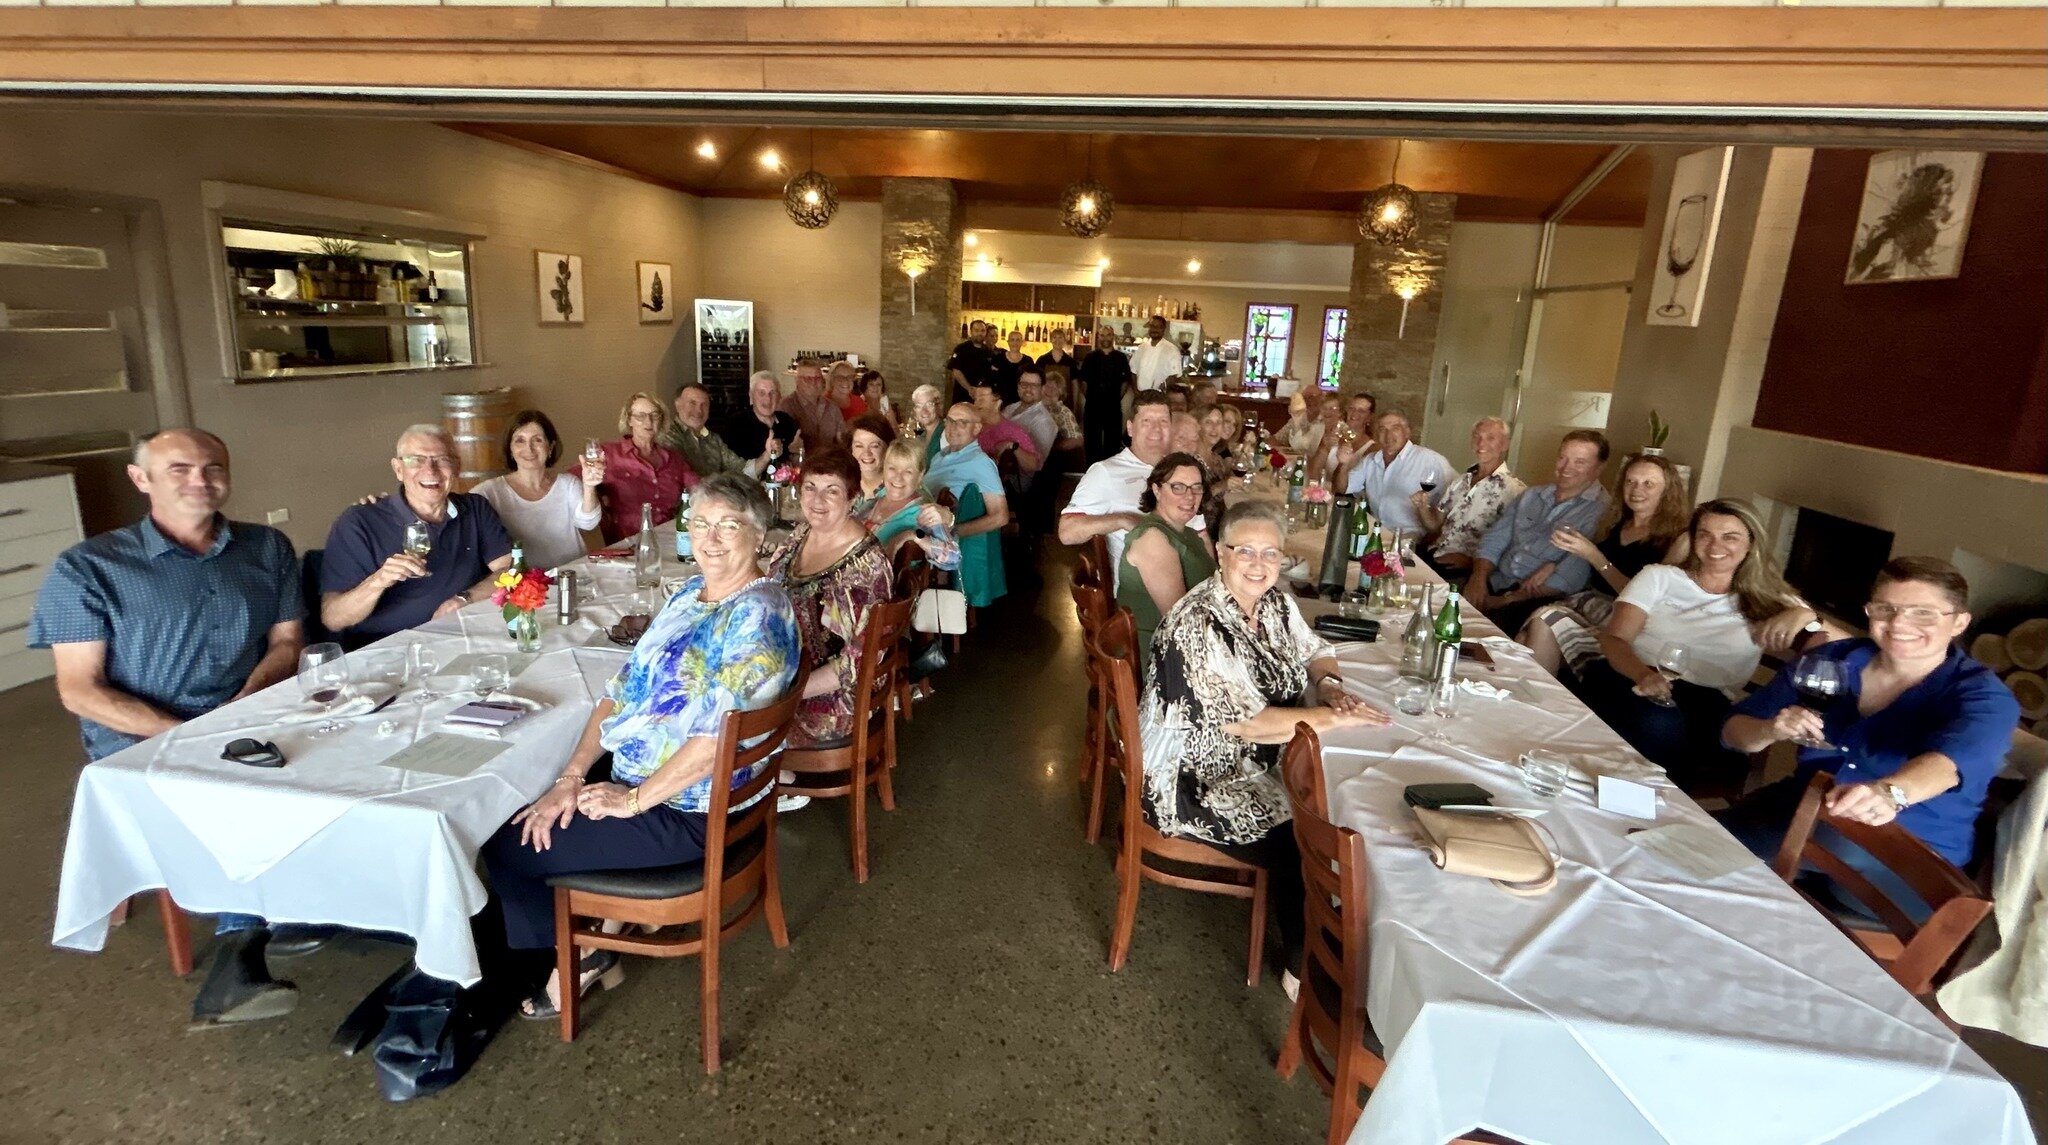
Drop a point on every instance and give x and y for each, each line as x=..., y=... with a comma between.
x=1330, y=361
x=1268, y=341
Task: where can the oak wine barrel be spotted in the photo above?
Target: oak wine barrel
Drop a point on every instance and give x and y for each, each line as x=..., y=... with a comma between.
x=477, y=421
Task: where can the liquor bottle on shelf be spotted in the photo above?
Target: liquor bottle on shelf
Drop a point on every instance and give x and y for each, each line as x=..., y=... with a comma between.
x=432, y=291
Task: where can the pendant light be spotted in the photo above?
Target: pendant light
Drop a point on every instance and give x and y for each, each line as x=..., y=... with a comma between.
x=1388, y=215
x=808, y=197
x=1087, y=206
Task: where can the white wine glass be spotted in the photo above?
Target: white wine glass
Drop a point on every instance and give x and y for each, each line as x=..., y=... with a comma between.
x=1671, y=664
x=419, y=539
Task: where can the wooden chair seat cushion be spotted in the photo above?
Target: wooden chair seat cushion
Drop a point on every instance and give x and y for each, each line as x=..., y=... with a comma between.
x=657, y=882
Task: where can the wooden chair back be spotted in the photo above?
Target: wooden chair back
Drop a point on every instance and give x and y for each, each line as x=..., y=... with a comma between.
x=882, y=662
x=767, y=728
x=1301, y=769
x=1115, y=650
x=909, y=572
x=1097, y=551
x=1091, y=602
x=1920, y=952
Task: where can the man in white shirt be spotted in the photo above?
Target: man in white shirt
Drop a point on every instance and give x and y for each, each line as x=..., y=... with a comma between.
x=1105, y=503
x=1155, y=360
x=1029, y=410
x=1397, y=472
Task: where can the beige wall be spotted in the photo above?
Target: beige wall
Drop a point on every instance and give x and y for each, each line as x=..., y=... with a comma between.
x=1479, y=337
x=811, y=290
x=312, y=446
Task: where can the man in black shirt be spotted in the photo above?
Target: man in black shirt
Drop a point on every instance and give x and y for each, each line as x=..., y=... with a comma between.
x=1106, y=374
x=970, y=359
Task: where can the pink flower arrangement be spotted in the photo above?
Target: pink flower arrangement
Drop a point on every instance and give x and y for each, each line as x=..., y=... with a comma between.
x=1315, y=492
x=1382, y=563
x=784, y=474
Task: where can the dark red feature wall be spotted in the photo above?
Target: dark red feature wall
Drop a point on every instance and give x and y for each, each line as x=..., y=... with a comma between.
x=1955, y=369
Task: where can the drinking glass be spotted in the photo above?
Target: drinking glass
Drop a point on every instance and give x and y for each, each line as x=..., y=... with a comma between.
x=419, y=540
x=421, y=663
x=1443, y=704
x=323, y=680
x=491, y=673
x=1671, y=664
x=592, y=451
x=1545, y=772
x=1413, y=698
x=1819, y=682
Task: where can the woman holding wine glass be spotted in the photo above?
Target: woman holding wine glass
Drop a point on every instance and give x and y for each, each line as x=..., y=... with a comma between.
x=545, y=511
x=640, y=470
x=1914, y=733
x=1684, y=640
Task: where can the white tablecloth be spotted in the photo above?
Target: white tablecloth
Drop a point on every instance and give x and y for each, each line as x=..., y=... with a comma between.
x=334, y=836
x=1630, y=1004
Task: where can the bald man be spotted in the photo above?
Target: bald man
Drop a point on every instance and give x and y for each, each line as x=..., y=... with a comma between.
x=167, y=619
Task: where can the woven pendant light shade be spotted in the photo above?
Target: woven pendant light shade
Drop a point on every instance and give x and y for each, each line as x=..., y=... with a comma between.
x=1086, y=208
x=810, y=200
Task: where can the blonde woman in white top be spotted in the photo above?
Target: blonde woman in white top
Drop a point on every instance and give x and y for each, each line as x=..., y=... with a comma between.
x=545, y=511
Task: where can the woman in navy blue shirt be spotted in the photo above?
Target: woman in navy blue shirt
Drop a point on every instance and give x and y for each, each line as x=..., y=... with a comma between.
x=1917, y=736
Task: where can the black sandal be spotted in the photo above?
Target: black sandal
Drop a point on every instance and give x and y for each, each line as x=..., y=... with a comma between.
x=599, y=967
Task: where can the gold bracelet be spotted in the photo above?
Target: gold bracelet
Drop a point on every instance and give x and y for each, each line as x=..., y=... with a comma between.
x=633, y=802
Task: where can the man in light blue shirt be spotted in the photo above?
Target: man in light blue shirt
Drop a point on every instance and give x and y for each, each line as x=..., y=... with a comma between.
x=1518, y=567
x=1394, y=474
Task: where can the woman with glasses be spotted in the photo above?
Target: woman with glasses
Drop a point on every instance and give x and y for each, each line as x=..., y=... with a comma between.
x=835, y=572
x=635, y=791
x=640, y=470
x=547, y=511
x=1234, y=668
x=1162, y=557
x=924, y=425
x=1684, y=639
x=1915, y=735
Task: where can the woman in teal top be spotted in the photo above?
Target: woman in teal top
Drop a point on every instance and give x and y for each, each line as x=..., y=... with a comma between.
x=1162, y=557
x=902, y=513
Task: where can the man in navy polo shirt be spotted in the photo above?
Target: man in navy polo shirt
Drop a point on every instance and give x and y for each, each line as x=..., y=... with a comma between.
x=164, y=620
x=370, y=587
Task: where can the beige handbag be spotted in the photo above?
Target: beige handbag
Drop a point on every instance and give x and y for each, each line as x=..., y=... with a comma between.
x=1508, y=849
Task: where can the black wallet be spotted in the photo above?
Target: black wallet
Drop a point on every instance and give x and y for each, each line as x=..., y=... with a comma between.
x=1435, y=795
x=1346, y=628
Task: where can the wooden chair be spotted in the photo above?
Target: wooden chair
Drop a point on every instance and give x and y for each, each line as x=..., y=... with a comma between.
x=1220, y=874
x=1913, y=955
x=911, y=574
x=739, y=868
x=849, y=766
x=1329, y=1030
x=1092, y=605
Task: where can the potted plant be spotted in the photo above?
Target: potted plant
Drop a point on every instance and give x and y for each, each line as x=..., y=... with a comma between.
x=1659, y=430
x=344, y=278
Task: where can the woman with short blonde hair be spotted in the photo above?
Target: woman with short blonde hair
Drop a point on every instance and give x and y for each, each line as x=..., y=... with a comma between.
x=639, y=470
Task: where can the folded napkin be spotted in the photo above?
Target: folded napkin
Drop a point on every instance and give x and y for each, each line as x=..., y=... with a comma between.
x=1501, y=645
x=367, y=698
x=1486, y=690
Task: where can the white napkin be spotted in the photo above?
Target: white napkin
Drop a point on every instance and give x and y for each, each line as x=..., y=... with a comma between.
x=367, y=698
x=1503, y=646
x=1483, y=689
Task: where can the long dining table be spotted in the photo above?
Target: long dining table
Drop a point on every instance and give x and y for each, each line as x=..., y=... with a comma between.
x=1633, y=1003
x=335, y=835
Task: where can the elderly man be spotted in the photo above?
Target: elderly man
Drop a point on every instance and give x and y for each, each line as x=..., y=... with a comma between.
x=1345, y=444
x=1460, y=513
x=1105, y=378
x=1517, y=568
x=1397, y=471
x=705, y=452
x=164, y=620
x=817, y=418
x=1105, y=503
x=999, y=434
x=370, y=587
x=1156, y=360
x=1029, y=412
x=960, y=463
x=1304, y=428
x=762, y=430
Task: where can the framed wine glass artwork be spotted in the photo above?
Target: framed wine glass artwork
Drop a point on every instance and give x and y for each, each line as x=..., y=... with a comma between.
x=1692, y=219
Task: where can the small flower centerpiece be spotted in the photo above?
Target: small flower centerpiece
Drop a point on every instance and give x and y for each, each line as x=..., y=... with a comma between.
x=1382, y=566
x=781, y=485
x=520, y=594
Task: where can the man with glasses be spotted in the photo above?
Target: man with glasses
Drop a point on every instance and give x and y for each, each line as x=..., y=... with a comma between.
x=370, y=587
x=817, y=418
x=1105, y=503
x=958, y=466
x=164, y=620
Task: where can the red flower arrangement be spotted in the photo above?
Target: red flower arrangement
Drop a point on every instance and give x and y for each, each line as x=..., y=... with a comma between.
x=521, y=592
x=1381, y=563
x=1276, y=459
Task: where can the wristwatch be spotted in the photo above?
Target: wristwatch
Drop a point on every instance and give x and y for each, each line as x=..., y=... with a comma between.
x=1896, y=794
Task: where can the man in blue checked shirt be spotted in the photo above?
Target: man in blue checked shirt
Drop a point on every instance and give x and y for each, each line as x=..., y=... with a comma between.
x=164, y=620
x=1517, y=568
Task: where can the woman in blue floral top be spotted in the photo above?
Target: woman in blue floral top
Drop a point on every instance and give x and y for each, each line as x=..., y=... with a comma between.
x=726, y=641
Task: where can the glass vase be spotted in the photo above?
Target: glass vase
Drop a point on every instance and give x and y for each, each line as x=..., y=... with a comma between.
x=1383, y=592
x=526, y=630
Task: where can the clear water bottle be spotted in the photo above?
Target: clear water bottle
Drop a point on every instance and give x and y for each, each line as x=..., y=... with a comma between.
x=1418, y=644
x=646, y=557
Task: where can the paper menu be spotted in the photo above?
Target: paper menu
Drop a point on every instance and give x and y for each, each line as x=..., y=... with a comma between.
x=454, y=756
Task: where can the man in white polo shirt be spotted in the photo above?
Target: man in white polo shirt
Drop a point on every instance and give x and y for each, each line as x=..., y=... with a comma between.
x=1105, y=503
x=1396, y=471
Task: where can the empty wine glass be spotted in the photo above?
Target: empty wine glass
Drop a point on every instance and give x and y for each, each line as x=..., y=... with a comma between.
x=1819, y=681
x=421, y=663
x=419, y=539
x=1671, y=664
x=323, y=680
x=1688, y=234
x=1443, y=703
x=491, y=673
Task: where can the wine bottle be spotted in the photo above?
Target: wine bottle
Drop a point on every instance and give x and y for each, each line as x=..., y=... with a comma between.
x=1361, y=524
x=646, y=558
x=1449, y=632
x=684, y=551
x=433, y=290
x=1297, y=480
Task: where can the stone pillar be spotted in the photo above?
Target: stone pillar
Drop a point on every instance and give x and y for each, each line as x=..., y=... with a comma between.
x=915, y=346
x=1380, y=355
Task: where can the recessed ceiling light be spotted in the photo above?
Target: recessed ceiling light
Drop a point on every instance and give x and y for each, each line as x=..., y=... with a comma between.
x=1103, y=262
x=771, y=159
x=972, y=239
x=1194, y=266
x=707, y=150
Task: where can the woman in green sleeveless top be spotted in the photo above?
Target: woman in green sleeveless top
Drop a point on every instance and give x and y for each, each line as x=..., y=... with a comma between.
x=1163, y=558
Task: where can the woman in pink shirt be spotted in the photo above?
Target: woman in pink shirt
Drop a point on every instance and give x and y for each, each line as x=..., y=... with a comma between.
x=639, y=470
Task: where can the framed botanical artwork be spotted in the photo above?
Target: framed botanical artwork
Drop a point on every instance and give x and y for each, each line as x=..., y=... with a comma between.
x=1915, y=216
x=1692, y=221
x=657, y=279
x=558, y=282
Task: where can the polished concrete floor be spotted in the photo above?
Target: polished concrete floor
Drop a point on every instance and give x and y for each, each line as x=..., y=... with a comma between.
x=961, y=995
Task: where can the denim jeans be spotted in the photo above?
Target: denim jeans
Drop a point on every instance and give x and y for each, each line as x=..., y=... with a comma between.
x=233, y=923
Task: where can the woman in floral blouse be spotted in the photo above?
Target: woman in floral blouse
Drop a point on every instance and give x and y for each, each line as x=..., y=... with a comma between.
x=1234, y=668
x=835, y=572
x=727, y=641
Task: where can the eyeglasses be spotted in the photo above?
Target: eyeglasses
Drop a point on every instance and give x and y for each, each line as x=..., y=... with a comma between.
x=1183, y=488
x=1254, y=554
x=726, y=528
x=643, y=417
x=423, y=460
x=1917, y=615
x=965, y=422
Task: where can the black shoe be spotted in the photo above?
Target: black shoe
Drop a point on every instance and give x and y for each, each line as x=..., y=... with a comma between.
x=298, y=939
x=238, y=986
